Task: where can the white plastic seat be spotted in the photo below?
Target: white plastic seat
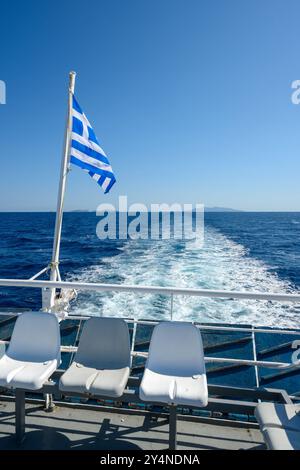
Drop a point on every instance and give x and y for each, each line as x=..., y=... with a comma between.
x=280, y=425
x=175, y=368
x=102, y=362
x=33, y=353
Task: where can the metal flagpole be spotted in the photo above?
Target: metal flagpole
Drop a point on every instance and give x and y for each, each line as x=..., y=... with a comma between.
x=49, y=294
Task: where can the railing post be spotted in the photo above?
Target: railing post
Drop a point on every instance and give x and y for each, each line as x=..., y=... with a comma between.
x=255, y=356
x=133, y=342
x=171, y=307
x=20, y=416
x=173, y=428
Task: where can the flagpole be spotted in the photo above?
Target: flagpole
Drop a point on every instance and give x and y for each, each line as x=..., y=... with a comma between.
x=49, y=297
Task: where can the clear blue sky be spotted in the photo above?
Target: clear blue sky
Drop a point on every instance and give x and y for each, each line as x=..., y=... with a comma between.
x=191, y=99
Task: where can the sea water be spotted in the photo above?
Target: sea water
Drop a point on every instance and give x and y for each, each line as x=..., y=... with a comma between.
x=242, y=251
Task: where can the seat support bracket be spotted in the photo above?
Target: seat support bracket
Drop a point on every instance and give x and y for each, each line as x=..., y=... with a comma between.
x=20, y=416
x=173, y=427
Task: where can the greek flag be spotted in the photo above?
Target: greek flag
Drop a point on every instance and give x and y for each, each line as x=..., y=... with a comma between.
x=86, y=151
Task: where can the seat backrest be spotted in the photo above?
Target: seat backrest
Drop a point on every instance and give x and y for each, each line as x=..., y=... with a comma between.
x=104, y=344
x=176, y=349
x=35, y=338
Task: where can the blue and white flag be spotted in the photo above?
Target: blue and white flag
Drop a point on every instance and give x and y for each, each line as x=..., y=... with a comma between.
x=86, y=151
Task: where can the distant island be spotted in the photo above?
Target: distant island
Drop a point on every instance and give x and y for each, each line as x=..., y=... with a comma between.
x=206, y=209
x=221, y=209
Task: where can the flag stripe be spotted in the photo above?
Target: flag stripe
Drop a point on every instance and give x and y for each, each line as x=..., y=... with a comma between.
x=90, y=152
x=86, y=151
x=89, y=144
x=77, y=126
x=91, y=169
x=95, y=164
x=100, y=180
x=111, y=183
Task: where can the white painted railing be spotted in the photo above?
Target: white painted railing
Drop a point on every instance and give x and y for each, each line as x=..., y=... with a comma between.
x=171, y=291
x=150, y=290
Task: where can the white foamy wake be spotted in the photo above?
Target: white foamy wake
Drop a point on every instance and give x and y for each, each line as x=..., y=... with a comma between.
x=219, y=264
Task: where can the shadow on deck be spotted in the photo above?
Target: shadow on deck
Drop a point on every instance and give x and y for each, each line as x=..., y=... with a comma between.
x=69, y=428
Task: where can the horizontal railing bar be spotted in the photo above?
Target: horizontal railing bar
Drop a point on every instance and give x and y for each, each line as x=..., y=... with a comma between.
x=250, y=362
x=207, y=359
x=216, y=390
x=150, y=290
x=132, y=396
x=14, y=314
x=239, y=329
x=247, y=330
x=218, y=402
x=142, y=411
x=228, y=360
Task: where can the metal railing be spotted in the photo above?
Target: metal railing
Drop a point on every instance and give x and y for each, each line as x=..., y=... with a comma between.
x=100, y=287
x=172, y=291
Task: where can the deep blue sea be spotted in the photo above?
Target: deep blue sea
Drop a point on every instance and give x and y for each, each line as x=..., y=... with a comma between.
x=242, y=251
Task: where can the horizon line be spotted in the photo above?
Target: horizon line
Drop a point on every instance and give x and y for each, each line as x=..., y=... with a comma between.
x=230, y=211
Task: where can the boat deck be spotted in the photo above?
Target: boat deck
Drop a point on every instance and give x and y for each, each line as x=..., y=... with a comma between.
x=70, y=427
